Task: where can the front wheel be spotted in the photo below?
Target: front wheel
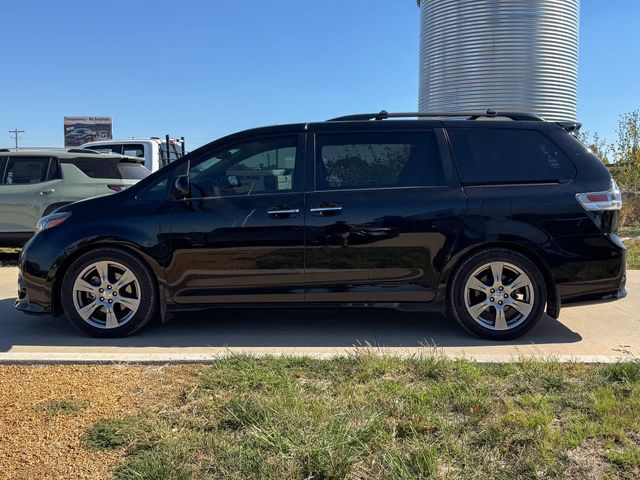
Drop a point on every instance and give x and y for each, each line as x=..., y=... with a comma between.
x=497, y=294
x=108, y=293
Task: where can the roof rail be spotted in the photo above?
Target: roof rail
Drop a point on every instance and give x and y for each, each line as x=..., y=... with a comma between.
x=84, y=150
x=383, y=115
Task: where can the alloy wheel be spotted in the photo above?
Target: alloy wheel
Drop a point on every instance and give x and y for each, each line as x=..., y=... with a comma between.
x=106, y=294
x=499, y=295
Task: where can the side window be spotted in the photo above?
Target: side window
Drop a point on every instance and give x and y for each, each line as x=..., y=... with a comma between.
x=107, y=148
x=133, y=150
x=260, y=166
x=95, y=167
x=491, y=155
x=26, y=170
x=54, y=170
x=374, y=160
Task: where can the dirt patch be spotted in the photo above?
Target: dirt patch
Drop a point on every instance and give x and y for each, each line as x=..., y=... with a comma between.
x=45, y=410
x=587, y=461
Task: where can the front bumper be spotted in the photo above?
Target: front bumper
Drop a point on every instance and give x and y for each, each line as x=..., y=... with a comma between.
x=23, y=304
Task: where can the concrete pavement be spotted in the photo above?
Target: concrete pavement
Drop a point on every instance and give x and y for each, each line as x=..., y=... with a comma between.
x=602, y=333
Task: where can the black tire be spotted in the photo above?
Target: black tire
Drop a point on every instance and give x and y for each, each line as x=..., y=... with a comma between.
x=148, y=297
x=457, y=296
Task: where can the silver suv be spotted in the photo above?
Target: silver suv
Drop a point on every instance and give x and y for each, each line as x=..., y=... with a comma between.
x=34, y=183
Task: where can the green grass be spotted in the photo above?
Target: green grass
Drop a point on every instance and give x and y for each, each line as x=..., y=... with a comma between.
x=633, y=231
x=368, y=416
x=65, y=406
x=633, y=254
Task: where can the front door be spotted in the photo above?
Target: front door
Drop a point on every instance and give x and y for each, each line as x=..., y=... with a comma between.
x=240, y=237
x=385, y=211
x=27, y=187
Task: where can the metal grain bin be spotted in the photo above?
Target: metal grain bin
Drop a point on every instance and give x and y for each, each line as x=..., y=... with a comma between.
x=517, y=55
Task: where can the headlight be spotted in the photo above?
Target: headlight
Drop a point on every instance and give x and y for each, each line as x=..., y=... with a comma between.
x=52, y=220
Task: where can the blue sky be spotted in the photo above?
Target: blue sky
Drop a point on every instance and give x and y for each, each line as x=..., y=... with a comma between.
x=206, y=68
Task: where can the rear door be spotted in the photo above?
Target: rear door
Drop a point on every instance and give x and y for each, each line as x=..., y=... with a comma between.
x=29, y=184
x=386, y=209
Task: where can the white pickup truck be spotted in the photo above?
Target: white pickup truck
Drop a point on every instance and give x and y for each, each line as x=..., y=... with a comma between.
x=154, y=149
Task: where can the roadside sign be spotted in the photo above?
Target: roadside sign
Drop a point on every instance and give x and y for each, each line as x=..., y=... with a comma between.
x=79, y=130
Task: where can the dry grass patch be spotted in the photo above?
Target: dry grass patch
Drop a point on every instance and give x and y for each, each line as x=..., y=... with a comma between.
x=46, y=410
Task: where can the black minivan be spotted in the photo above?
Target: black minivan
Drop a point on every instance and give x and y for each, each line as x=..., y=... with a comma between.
x=493, y=218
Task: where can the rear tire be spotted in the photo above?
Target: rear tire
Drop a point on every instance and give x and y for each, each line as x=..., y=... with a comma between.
x=497, y=294
x=108, y=293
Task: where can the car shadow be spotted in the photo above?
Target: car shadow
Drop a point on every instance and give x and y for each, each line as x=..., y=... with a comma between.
x=9, y=257
x=273, y=327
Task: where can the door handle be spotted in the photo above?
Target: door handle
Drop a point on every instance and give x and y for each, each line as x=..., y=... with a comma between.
x=328, y=210
x=48, y=191
x=283, y=211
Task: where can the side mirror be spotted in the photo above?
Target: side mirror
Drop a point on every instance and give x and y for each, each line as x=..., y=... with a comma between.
x=182, y=187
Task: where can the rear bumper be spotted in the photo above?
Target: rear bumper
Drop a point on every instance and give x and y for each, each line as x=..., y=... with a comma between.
x=592, y=288
x=594, y=298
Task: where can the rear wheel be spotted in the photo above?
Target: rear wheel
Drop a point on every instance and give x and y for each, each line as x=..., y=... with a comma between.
x=108, y=293
x=497, y=294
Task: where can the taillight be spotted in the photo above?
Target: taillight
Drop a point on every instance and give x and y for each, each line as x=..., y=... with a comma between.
x=118, y=188
x=609, y=200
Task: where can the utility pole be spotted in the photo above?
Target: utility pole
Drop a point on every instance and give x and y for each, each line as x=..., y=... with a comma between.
x=16, y=134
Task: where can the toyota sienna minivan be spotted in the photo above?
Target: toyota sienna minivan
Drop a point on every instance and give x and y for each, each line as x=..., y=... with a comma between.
x=494, y=218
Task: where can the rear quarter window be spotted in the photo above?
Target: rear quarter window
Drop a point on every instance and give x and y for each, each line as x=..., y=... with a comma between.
x=133, y=171
x=96, y=167
x=492, y=155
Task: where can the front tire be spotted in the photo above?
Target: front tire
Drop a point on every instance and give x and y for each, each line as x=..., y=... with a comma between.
x=497, y=294
x=108, y=293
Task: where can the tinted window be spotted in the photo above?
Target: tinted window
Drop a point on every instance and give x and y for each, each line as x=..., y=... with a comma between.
x=54, y=170
x=486, y=155
x=95, y=167
x=133, y=171
x=260, y=166
x=371, y=160
x=156, y=191
x=26, y=170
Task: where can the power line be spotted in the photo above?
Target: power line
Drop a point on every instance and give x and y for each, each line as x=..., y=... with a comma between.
x=16, y=133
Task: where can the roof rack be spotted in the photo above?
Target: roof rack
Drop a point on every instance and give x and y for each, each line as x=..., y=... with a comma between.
x=383, y=115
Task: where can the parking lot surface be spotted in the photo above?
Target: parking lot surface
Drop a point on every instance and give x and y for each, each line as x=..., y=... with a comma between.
x=606, y=332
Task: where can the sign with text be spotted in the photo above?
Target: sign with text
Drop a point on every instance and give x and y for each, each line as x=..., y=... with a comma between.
x=79, y=130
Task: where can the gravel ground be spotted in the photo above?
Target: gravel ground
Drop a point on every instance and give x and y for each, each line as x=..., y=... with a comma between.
x=45, y=410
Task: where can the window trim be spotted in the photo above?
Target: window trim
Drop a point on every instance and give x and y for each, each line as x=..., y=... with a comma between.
x=3, y=165
x=447, y=181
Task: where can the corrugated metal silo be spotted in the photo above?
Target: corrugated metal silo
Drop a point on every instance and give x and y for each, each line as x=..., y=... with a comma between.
x=517, y=55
